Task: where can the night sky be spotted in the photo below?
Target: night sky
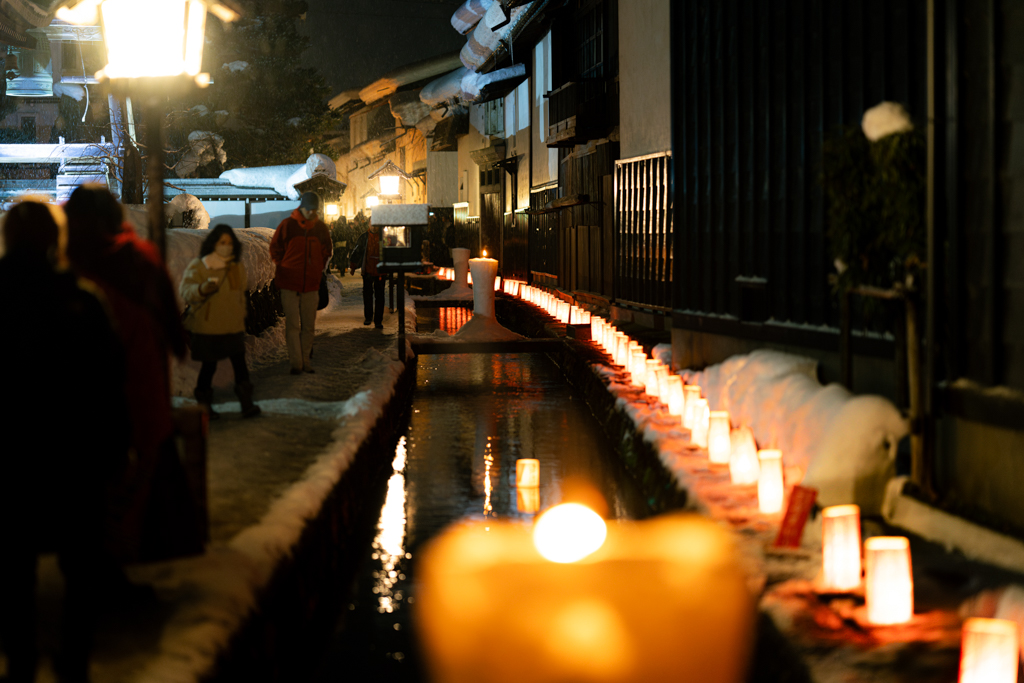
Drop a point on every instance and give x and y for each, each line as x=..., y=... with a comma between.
x=355, y=42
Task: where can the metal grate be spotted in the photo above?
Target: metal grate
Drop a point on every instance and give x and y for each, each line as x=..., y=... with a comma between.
x=643, y=230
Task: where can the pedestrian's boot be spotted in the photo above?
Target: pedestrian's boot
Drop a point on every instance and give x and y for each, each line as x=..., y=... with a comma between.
x=204, y=397
x=244, y=392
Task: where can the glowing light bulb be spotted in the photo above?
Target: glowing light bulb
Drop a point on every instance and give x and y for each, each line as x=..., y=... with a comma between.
x=568, y=533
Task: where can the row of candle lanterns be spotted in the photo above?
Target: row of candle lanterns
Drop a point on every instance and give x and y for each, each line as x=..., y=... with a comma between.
x=448, y=275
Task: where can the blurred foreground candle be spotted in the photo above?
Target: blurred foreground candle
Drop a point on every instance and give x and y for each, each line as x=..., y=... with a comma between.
x=674, y=395
x=889, y=584
x=700, y=424
x=744, y=467
x=989, y=651
x=719, y=442
x=691, y=394
x=770, y=489
x=527, y=472
x=840, y=547
x=492, y=608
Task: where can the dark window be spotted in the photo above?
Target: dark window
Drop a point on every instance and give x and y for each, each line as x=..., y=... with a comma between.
x=590, y=41
x=28, y=128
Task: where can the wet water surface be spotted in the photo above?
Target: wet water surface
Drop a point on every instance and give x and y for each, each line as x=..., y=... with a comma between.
x=472, y=417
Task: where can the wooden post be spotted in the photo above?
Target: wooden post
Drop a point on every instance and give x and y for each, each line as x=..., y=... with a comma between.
x=845, y=350
x=154, y=117
x=401, y=316
x=918, y=467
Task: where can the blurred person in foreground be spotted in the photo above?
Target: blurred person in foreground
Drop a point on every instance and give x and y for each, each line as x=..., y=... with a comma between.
x=129, y=270
x=64, y=372
x=215, y=287
x=301, y=249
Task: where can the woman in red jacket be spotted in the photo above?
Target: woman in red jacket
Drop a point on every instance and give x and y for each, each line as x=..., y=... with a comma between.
x=301, y=249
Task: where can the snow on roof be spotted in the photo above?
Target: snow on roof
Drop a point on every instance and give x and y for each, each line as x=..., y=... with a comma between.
x=279, y=178
x=443, y=88
x=400, y=214
x=473, y=83
x=483, y=41
x=407, y=75
x=470, y=14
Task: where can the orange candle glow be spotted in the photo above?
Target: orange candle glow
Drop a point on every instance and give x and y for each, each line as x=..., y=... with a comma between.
x=701, y=422
x=989, y=651
x=528, y=499
x=527, y=472
x=770, y=488
x=638, y=367
x=840, y=547
x=691, y=394
x=744, y=467
x=719, y=443
x=889, y=582
x=674, y=395
x=651, y=378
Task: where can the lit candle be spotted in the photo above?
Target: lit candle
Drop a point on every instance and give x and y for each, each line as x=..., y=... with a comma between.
x=674, y=395
x=638, y=367
x=564, y=310
x=989, y=651
x=491, y=607
x=527, y=472
x=483, y=271
x=701, y=422
x=663, y=375
x=528, y=499
x=744, y=467
x=651, y=382
x=840, y=547
x=719, y=442
x=889, y=588
x=691, y=394
x=770, y=490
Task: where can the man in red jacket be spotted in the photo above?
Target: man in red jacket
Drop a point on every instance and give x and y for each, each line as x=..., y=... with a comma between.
x=300, y=248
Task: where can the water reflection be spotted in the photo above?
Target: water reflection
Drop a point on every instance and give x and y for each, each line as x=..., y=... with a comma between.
x=388, y=546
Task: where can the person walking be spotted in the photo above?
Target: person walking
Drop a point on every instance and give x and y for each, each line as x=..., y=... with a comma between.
x=214, y=286
x=61, y=349
x=301, y=249
x=366, y=256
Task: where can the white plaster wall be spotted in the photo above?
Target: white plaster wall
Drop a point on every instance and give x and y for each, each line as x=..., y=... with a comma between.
x=644, y=85
x=543, y=160
x=468, y=170
x=442, y=178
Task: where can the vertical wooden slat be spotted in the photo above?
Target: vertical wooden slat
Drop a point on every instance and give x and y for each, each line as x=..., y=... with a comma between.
x=819, y=296
x=796, y=227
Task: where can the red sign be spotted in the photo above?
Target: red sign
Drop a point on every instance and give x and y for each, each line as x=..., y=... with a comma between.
x=801, y=500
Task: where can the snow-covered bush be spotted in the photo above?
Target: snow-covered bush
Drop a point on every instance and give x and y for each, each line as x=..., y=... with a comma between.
x=200, y=218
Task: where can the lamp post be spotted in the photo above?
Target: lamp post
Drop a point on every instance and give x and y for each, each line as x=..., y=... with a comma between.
x=154, y=47
x=389, y=176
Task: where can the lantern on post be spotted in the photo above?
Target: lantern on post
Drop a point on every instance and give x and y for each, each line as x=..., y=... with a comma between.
x=153, y=47
x=389, y=177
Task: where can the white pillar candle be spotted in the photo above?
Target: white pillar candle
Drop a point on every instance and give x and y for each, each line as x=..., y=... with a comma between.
x=691, y=394
x=564, y=312
x=701, y=422
x=770, y=485
x=460, y=257
x=674, y=395
x=840, y=547
x=989, y=651
x=484, y=271
x=744, y=467
x=638, y=367
x=719, y=442
x=889, y=584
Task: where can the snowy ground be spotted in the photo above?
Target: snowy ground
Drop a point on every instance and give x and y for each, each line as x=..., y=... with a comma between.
x=266, y=476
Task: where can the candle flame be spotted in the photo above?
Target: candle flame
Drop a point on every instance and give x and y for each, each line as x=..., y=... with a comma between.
x=485, y=253
x=568, y=533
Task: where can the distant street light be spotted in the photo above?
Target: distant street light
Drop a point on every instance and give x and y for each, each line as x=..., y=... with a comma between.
x=156, y=47
x=389, y=176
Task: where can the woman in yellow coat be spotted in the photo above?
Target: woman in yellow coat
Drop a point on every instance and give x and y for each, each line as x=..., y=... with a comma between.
x=214, y=286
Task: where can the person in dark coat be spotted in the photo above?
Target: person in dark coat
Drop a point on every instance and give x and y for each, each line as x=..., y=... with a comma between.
x=301, y=249
x=366, y=256
x=65, y=409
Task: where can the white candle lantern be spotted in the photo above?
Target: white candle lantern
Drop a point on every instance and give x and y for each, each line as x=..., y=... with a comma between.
x=674, y=395
x=889, y=584
x=651, y=383
x=638, y=367
x=527, y=472
x=719, y=441
x=564, y=311
x=528, y=499
x=483, y=270
x=691, y=394
x=744, y=467
x=840, y=547
x=770, y=485
x=622, y=354
x=663, y=375
x=989, y=651
x=701, y=422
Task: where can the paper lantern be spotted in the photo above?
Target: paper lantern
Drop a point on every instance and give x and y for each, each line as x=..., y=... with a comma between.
x=563, y=310
x=889, y=588
x=989, y=651
x=744, y=466
x=528, y=499
x=770, y=489
x=638, y=367
x=691, y=394
x=663, y=375
x=840, y=547
x=673, y=397
x=651, y=382
x=719, y=441
x=701, y=422
x=527, y=472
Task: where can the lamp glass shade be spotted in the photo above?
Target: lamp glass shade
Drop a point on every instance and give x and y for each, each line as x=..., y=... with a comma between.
x=989, y=651
x=389, y=185
x=528, y=499
x=701, y=422
x=719, y=441
x=372, y=201
x=527, y=472
x=331, y=210
x=175, y=50
x=744, y=466
x=889, y=584
x=840, y=547
x=770, y=488
x=674, y=395
x=651, y=381
x=691, y=394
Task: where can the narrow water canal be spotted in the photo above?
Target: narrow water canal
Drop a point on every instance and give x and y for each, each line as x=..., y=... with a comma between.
x=472, y=416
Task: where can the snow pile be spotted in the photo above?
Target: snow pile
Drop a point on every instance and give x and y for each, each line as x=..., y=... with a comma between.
x=183, y=246
x=204, y=147
x=272, y=177
x=473, y=83
x=469, y=15
x=320, y=164
x=484, y=41
x=236, y=66
x=481, y=328
x=459, y=291
x=843, y=445
x=72, y=90
x=885, y=118
x=443, y=88
x=187, y=202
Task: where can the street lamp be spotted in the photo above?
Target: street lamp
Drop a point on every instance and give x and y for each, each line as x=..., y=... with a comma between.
x=155, y=45
x=389, y=176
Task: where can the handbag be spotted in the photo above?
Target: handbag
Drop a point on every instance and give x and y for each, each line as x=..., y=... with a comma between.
x=325, y=297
